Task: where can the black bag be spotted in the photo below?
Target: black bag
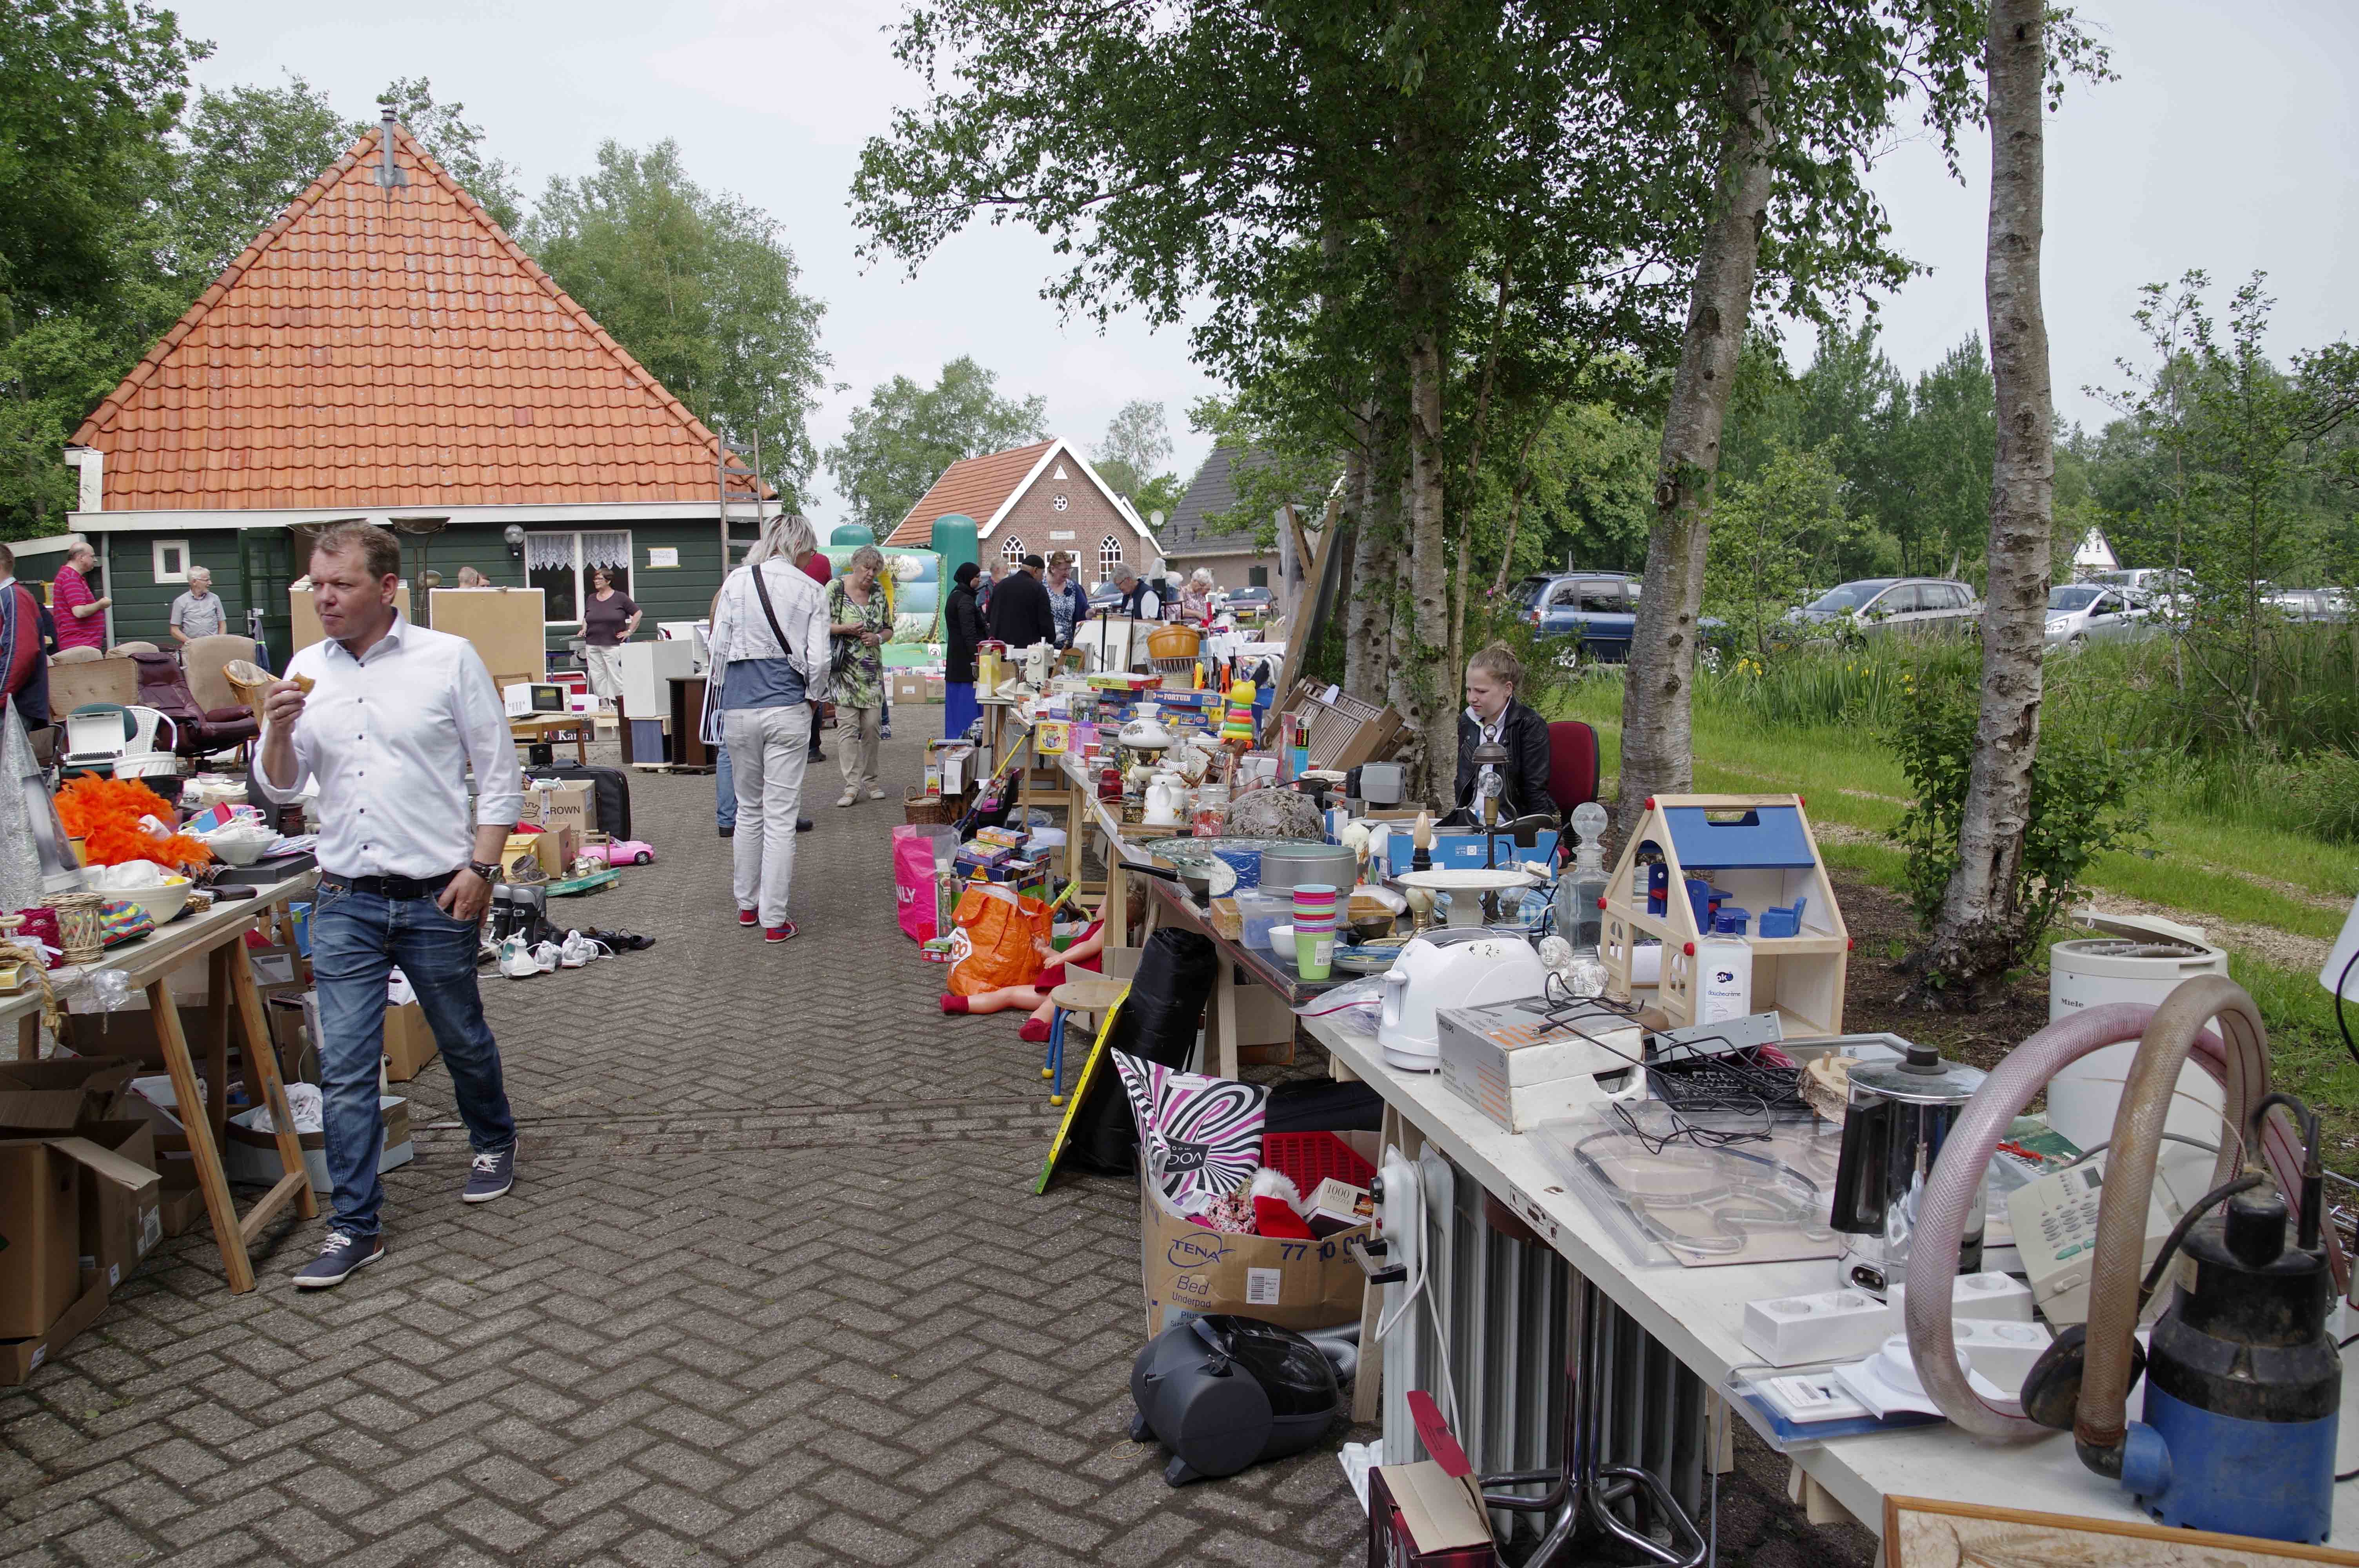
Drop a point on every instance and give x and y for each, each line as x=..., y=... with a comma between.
x=1311, y=1105
x=610, y=793
x=1157, y=1022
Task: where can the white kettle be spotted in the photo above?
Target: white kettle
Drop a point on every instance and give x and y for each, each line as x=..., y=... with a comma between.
x=1452, y=967
x=1166, y=801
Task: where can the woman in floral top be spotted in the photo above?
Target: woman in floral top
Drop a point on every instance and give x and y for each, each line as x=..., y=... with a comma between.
x=857, y=613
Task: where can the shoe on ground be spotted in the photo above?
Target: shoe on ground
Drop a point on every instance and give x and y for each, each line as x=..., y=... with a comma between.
x=339, y=1256
x=782, y=932
x=729, y=830
x=517, y=961
x=876, y=795
x=615, y=942
x=848, y=798
x=490, y=1176
x=577, y=950
x=548, y=957
x=804, y=825
x=748, y=917
x=885, y=733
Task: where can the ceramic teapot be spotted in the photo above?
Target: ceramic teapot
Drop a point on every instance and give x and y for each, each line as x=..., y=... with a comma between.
x=1167, y=800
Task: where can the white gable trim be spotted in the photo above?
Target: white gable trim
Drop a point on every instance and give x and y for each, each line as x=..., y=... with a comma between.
x=1064, y=447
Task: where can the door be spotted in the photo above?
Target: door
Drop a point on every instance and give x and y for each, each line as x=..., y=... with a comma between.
x=265, y=570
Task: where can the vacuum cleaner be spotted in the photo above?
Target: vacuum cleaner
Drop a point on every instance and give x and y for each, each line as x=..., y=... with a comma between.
x=1223, y=1392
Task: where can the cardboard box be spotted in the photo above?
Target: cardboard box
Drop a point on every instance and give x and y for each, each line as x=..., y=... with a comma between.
x=409, y=1046
x=1421, y=1515
x=1336, y=1205
x=61, y=1094
x=937, y=689
x=561, y=806
x=122, y=1214
x=1521, y=1063
x=20, y=1359
x=554, y=849
x=252, y=1157
x=45, y=1183
x=907, y=687
x=1187, y=1270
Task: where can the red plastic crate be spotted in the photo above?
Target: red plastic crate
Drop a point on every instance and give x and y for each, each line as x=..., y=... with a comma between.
x=1309, y=1158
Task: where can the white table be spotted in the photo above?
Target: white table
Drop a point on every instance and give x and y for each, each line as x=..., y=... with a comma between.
x=1696, y=1313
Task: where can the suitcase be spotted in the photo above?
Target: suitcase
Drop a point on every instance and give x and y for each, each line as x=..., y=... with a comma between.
x=610, y=793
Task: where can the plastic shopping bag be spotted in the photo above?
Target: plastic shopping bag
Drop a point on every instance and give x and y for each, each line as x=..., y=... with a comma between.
x=913, y=882
x=1002, y=940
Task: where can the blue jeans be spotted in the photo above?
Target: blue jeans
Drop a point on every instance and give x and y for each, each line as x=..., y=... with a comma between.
x=356, y=939
x=725, y=787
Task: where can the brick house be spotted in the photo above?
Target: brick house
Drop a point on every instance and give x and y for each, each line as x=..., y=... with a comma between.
x=384, y=351
x=1032, y=501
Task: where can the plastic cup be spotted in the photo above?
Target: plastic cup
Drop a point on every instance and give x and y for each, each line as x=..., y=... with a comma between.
x=1314, y=952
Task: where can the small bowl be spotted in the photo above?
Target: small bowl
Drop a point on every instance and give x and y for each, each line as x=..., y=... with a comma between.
x=1281, y=939
x=163, y=904
x=240, y=848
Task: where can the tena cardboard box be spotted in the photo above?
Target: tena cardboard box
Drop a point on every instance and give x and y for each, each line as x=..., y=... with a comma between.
x=61, y=1094
x=1523, y=1063
x=559, y=805
x=122, y=1220
x=1187, y=1270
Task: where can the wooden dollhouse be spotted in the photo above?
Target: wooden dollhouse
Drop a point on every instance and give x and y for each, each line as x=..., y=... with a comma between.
x=1692, y=854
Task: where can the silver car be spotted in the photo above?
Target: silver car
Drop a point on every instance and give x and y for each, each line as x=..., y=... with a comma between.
x=2083, y=613
x=1879, y=606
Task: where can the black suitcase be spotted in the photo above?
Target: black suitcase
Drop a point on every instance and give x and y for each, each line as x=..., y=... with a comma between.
x=610, y=793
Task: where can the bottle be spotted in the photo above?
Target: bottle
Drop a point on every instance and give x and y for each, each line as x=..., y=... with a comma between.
x=1724, y=977
x=1581, y=890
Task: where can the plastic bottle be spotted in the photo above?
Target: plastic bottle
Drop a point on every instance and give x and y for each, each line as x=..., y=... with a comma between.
x=1723, y=978
x=1579, y=891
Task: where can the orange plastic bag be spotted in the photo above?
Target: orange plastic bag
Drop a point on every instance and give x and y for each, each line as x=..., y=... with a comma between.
x=1001, y=939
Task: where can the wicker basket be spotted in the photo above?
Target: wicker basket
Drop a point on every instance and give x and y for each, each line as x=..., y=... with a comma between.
x=78, y=935
x=922, y=810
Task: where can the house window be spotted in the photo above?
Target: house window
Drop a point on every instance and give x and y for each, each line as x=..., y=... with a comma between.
x=1012, y=551
x=1109, y=558
x=1258, y=577
x=170, y=559
x=560, y=566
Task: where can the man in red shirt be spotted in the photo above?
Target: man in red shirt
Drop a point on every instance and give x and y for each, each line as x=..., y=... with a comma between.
x=80, y=613
x=815, y=566
x=24, y=667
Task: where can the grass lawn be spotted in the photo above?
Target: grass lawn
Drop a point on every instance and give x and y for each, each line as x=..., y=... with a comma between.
x=2192, y=861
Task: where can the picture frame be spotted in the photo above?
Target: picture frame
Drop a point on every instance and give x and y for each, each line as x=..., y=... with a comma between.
x=1934, y=1532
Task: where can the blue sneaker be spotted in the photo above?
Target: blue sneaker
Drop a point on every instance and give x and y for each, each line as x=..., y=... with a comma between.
x=339, y=1256
x=490, y=1176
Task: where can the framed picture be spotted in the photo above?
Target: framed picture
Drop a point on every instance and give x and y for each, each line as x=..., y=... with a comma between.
x=1926, y=1532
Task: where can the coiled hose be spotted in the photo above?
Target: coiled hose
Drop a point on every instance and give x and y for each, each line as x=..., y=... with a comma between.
x=1957, y=1175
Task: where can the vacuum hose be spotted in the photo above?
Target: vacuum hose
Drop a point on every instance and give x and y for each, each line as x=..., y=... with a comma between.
x=2171, y=1034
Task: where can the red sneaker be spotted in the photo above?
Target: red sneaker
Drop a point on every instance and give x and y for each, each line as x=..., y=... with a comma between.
x=780, y=933
x=748, y=917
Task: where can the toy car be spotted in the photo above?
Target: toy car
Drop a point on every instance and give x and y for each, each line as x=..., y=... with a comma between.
x=625, y=852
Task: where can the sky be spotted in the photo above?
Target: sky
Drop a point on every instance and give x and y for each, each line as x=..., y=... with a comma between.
x=2228, y=143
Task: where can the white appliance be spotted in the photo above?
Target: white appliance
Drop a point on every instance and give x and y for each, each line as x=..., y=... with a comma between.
x=1166, y=801
x=2140, y=958
x=648, y=667
x=692, y=632
x=1457, y=967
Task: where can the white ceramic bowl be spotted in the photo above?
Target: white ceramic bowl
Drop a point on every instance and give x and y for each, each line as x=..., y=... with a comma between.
x=163, y=904
x=240, y=848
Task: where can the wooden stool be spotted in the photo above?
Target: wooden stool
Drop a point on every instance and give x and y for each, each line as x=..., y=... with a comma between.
x=1090, y=995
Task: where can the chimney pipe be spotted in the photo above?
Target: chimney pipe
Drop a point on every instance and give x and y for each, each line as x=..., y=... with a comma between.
x=388, y=173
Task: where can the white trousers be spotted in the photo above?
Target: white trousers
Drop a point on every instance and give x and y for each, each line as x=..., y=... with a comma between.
x=768, y=750
x=605, y=670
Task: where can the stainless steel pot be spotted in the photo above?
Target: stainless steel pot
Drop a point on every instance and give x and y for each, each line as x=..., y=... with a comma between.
x=1896, y=1118
x=1286, y=866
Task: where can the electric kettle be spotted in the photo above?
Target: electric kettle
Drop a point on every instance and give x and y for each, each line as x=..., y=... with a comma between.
x=1897, y=1118
x=1456, y=967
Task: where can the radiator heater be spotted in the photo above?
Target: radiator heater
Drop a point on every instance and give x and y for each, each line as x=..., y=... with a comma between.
x=1508, y=1311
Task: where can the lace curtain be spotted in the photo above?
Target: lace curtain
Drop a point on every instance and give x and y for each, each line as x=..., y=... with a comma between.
x=606, y=549
x=544, y=552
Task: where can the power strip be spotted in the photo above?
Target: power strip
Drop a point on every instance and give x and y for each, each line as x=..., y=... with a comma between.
x=1839, y=1325
x=1991, y=1297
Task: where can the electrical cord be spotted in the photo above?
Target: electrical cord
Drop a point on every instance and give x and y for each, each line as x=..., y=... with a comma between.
x=2342, y=983
x=2195, y=1211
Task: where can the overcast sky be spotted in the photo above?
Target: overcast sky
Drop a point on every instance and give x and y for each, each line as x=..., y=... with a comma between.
x=2228, y=143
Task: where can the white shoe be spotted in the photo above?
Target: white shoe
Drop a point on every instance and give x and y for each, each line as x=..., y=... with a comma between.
x=848, y=798
x=517, y=961
x=577, y=950
x=546, y=957
x=876, y=795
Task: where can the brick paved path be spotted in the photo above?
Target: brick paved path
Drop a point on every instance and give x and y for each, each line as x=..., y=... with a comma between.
x=772, y=1288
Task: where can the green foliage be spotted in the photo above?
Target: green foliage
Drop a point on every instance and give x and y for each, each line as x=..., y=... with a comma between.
x=1768, y=534
x=249, y=152
x=1131, y=455
x=2081, y=804
x=701, y=288
x=900, y=442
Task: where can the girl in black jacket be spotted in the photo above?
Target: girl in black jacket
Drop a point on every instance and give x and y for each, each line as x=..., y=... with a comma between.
x=1491, y=710
x=962, y=626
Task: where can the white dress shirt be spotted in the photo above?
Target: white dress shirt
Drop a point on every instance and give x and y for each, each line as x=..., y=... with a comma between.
x=389, y=738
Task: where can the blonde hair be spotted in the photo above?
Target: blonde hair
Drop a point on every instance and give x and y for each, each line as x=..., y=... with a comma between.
x=788, y=535
x=1499, y=662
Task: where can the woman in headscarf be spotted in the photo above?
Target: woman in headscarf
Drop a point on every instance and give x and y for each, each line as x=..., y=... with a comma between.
x=962, y=622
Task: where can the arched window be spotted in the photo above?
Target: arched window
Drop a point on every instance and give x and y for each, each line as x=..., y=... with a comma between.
x=1012, y=551
x=1109, y=558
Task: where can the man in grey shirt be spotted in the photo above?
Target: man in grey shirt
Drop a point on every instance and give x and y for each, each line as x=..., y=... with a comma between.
x=198, y=612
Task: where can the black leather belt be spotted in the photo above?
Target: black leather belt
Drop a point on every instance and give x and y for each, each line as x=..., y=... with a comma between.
x=397, y=888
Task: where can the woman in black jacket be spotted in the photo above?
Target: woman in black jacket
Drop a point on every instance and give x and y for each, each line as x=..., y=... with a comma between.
x=1492, y=712
x=962, y=624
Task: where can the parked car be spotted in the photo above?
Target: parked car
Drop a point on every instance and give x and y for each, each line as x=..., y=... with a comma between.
x=2142, y=580
x=1245, y=602
x=2311, y=603
x=2083, y=613
x=1104, y=596
x=1880, y=606
x=1599, y=611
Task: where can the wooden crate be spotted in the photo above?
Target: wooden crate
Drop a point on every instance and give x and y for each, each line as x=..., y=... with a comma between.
x=1341, y=731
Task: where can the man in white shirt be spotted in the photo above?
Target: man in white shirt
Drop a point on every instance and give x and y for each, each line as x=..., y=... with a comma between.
x=198, y=612
x=397, y=716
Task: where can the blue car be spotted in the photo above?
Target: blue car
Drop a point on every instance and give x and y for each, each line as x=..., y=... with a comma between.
x=1598, y=610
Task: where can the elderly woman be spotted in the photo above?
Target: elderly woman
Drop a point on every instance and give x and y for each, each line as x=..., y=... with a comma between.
x=860, y=620
x=607, y=622
x=1068, y=602
x=1196, y=599
x=769, y=660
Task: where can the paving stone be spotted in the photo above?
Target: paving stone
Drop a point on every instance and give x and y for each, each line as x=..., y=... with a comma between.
x=772, y=1289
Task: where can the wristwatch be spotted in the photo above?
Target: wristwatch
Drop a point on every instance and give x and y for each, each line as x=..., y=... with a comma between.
x=487, y=870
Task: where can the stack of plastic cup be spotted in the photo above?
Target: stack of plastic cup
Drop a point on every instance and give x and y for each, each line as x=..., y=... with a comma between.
x=1314, y=929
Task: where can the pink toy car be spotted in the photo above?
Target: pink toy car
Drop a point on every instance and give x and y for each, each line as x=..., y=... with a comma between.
x=625, y=852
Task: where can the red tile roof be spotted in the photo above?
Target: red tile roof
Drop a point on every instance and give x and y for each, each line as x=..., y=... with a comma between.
x=973, y=487
x=383, y=347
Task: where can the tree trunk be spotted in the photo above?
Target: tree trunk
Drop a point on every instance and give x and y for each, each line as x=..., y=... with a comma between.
x=1375, y=566
x=1978, y=932
x=1430, y=683
x=1658, y=753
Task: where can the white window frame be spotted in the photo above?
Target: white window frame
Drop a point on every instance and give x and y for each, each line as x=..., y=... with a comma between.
x=580, y=572
x=157, y=549
x=1011, y=550
x=1109, y=556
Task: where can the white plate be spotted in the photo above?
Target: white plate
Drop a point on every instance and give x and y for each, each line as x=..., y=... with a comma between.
x=1465, y=879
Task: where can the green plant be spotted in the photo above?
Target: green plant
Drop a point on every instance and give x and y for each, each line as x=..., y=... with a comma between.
x=2080, y=806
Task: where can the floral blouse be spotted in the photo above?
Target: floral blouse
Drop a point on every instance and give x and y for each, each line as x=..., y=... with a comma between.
x=860, y=678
